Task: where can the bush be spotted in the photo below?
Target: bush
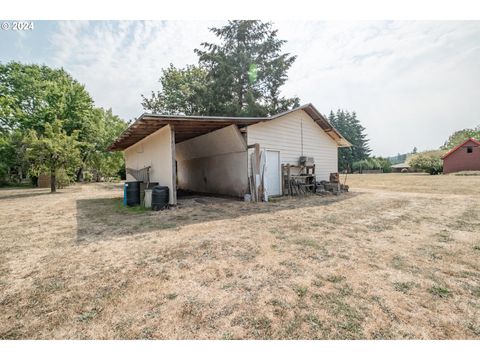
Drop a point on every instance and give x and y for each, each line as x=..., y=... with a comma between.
x=33, y=179
x=63, y=179
x=3, y=174
x=372, y=163
x=428, y=161
x=87, y=176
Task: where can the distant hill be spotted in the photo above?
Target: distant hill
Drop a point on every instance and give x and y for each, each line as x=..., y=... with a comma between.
x=398, y=159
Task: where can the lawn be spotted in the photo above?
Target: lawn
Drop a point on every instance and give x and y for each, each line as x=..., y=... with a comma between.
x=396, y=258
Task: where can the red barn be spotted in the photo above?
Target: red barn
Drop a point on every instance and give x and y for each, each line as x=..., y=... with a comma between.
x=463, y=157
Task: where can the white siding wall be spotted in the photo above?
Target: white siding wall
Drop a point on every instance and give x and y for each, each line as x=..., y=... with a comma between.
x=285, y=135
x=156, y=151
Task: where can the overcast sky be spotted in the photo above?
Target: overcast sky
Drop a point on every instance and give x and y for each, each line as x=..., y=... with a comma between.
x=411, y=83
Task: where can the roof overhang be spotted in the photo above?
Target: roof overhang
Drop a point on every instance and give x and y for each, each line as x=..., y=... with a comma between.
x=186, y=127
x=189, y=127
x=324, y=124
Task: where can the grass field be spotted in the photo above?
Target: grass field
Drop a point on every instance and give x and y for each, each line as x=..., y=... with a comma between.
x=396, y=258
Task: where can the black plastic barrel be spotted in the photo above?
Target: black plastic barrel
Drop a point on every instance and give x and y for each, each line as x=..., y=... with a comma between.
x=151, y=185
x=133, y=193
x=159, y=197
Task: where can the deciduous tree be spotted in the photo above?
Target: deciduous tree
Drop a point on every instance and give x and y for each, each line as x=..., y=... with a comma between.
x=460, y=136
x=52, y=151
x=428, y=161
x=184, y=91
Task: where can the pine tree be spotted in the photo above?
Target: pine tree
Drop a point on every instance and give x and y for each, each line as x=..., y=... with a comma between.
x=241, y=75
x=351, y=128
x=247, y=69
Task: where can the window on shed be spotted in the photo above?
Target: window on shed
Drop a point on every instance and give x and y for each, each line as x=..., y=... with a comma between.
x=469, y=149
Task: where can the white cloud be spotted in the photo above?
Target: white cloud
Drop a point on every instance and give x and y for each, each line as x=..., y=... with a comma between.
x=119, y=61
x=411, y=83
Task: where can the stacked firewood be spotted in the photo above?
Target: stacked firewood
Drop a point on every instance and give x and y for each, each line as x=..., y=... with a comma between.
x=333, y=186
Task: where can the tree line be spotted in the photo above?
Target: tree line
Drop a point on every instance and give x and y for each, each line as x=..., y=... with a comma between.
x=49, y=125
x=357, y=157
x=431, y=161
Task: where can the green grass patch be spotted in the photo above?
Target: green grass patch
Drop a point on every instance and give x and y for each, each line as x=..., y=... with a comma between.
x=306, y=242
x=87, y=316
x=172, y=296
x=167, y=225
x=403, y=287
x=17, y=186
x=440, y=291
x=227, y=336
x=301, y=291
x=120, y=208
x=345, y=290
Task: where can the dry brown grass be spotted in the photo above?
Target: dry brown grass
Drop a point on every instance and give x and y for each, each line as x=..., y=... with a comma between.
x=398, y=257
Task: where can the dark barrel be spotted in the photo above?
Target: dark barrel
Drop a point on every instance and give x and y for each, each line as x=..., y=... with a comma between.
x=159, y=197
x=133, y=192
x=151, y=185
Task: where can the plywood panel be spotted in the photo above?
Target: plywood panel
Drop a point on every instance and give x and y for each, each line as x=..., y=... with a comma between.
x=214, y=163
x=223, y=141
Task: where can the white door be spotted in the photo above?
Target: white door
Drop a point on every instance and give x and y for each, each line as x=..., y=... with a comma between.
x=272, y=175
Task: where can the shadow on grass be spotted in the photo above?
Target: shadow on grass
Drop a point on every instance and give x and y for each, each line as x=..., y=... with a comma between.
x=107, y=219
x=9, y=192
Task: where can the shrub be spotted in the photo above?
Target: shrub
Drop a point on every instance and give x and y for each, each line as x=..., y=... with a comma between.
x=440, y=291
x=63, y=178
x=87, y=176
x=428, y=161
x=33, y=179
x=3, y=174
x=372, y=163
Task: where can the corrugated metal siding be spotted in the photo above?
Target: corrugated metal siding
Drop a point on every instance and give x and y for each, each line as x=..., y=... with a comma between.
x=285, y=135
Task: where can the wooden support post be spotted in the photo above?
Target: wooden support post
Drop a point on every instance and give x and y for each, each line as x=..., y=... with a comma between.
x=289, y=180
x=174, y=166
x=256, y=169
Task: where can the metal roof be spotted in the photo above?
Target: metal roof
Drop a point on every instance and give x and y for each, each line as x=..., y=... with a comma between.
x=400, y=166
x=188, y=126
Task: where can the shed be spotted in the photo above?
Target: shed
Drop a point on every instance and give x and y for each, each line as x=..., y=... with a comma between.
x=464, y=157
x=402, y=167
x=211, y=154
